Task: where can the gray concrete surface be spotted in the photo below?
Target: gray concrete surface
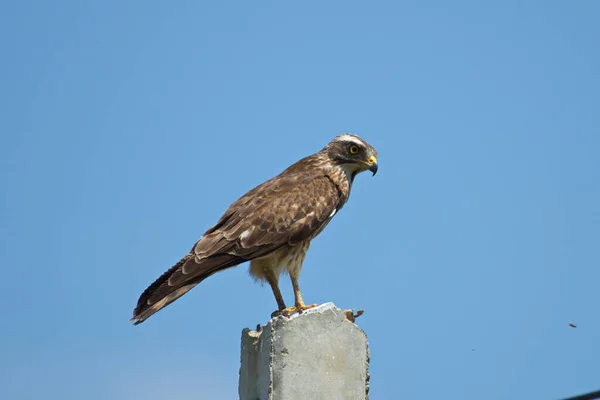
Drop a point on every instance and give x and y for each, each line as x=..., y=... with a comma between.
x=318, y=354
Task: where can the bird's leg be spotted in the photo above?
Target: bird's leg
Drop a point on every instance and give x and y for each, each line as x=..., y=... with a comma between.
x=299, y=305
x=274, y=283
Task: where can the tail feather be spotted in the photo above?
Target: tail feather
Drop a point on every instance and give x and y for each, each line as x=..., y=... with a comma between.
x=177, y=281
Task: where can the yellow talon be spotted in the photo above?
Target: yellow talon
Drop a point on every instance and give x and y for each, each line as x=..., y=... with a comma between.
x=298, y=308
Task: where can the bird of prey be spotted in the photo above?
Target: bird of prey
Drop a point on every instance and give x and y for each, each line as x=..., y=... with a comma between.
x=271, y=226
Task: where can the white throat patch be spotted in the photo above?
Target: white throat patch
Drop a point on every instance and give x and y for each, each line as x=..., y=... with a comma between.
x=349, y=170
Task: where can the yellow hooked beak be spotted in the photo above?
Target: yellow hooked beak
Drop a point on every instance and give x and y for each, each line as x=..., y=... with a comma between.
x=372, y=164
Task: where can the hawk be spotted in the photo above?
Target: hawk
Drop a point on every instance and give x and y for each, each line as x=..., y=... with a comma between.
x=271, y=226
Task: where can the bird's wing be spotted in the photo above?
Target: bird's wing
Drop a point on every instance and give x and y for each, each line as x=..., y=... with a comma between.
x=284, y=210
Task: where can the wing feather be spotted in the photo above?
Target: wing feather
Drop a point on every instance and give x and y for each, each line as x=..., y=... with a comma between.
x=285, y=210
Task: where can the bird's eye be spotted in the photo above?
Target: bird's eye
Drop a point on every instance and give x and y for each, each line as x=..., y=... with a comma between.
x=353, y=149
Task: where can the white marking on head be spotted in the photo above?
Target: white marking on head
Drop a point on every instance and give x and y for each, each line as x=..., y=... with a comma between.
x=347, y=137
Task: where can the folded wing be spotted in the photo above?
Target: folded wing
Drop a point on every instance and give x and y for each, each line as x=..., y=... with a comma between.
x=285, y=210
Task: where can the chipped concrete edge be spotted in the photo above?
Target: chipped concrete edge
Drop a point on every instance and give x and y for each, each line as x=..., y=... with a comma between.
x=264, y=336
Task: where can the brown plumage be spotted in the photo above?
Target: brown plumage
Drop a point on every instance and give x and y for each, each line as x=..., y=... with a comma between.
x=271, y=226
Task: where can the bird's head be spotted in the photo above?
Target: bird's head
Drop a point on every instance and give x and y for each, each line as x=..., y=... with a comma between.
x=353, y=154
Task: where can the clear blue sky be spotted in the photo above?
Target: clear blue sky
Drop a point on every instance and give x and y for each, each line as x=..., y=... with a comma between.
x=128, y=128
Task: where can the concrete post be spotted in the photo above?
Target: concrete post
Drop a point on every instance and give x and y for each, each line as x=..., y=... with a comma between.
x=318, y=354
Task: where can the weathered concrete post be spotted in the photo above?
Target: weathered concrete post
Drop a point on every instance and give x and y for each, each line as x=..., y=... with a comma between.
x=318, y=354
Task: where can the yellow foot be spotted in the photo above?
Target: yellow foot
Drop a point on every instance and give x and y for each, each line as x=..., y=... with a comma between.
x=298, y=308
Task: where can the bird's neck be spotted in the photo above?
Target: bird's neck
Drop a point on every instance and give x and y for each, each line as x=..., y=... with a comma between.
x=342, y=177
